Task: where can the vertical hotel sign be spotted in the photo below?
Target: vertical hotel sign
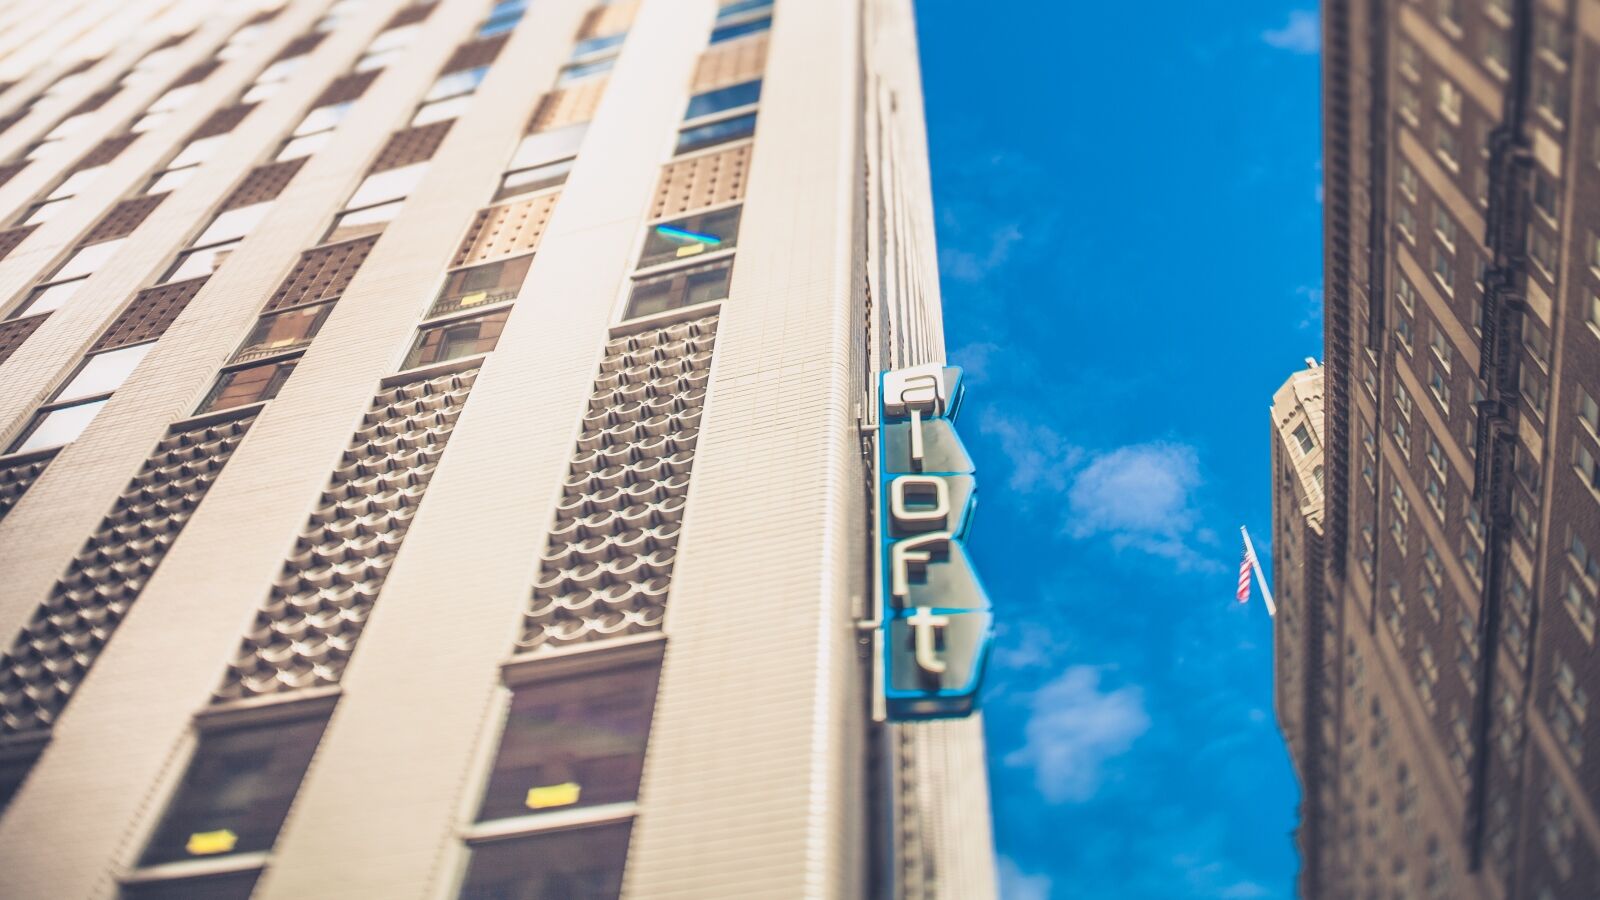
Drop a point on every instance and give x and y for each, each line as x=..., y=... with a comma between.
x=934, y=618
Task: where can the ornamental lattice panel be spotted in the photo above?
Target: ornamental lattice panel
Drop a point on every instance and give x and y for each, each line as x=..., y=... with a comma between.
x=607, y=567
x=19, y=474
x=304, y=634
x=50, y=657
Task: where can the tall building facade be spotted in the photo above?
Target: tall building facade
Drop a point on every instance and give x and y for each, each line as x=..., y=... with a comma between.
x=1451, y=747
x=438, y=453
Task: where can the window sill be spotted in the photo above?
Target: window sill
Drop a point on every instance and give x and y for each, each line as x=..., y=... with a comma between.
x=216, y=417
x=433, y=370
x=669, y=317
x=528, y=668
x=555, y=820
x=197, y=868
x=293, y=705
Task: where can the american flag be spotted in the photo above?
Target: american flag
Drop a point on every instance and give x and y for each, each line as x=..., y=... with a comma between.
x=1245, y=562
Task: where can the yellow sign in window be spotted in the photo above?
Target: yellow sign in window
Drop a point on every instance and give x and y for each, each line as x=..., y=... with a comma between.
x=474, y=298
x=552, y=795
x=206, y=843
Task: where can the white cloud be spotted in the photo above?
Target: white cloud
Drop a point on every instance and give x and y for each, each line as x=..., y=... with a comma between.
x=1040, y=459
x=966, y=265
x=1139, y=497
x=1301, y=34
x=1018, y=885
x=1073, y=728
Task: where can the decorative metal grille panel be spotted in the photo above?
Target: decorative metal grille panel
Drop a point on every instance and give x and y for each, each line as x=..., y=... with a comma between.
x=481, y=52
x=264, y=183
x=95, y=100
x=322, y=273
x=730, y=63
x=123, y=218
x=347, y=88
x=301, y=45
x=19, y=474
x=304, y=634
x=506, y=229
x=569, y=106
x=14, y=331
x=104, y=152
x=607, y=566
x=412, y=145
x=410, y=15
x=197, y=73
x=149, y=315
x=702, y=181
x=54, y=651
x=222, y=121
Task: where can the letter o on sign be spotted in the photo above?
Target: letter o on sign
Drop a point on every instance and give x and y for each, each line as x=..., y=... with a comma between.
x=919, y=502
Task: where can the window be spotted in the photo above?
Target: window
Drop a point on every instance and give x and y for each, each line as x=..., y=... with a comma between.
x=1406, y=221
x=1439, y=343
x=198, y=263
x=294, y=148
x=1546, y=196
x=1403, y=331
x=1444, y=269
x=1410, y=104
x=1302, y=436
x=390, y=184
x=1450, y=101
x=87, y=260
x=739, y=7
x=572, y=743
x=454, y=84
x=1584, y=461
x=1534, y=388
x=502, y=18
x=455, y=339
x=74, y=184
x=362, y=221
x=48, y=298
x=281, y=332
x=236, y=791
x=494, y=282
x=536, y=178
x=680, y=288
x=103, y=373
x=704, y=233
x=702, y=136
x=1549, y=94
x=1407, y=180
x=1444, y=226
x=1497, y=51
x=170, y=180
x=323, y=118
x=1542, y=250
x=1588, y=410
x=386, y=47
x=575, y=864
x=233, y=224
x=230, y=886
x=548, y=146
x=1536, y=340
x=723, y=99
x=1436, y=455
x=1527, y=525
x=579, y=71
x=247, y=384
x=1579, y=606
x=1447, y=149
x=591, y=46
x=55, y=427
x=739, y=30
x=440, y=110
x=1406, y=294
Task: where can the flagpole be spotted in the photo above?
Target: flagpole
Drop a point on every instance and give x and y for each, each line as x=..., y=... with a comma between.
x=1255, y=566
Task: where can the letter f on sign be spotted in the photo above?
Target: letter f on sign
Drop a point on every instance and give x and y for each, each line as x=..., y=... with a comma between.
x=917, y=551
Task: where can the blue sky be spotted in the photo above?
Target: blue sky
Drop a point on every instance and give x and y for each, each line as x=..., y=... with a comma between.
x=1127, y=200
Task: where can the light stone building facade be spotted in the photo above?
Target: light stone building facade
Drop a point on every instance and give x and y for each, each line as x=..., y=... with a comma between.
x=434, y=461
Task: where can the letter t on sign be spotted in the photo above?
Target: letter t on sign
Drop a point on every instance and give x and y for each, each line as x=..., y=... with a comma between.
x=925, y=628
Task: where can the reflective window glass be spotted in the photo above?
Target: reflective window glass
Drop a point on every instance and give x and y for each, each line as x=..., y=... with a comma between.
x=47, y=298
x=702, y=136
x=250, y=384
x=283, y=331
x=680, y=288
x=103, y=373
x=691, y=236
x=197, y=152
x=728, y=11
x=58, y=426
x=231, y=886
x=454, y=83
x=584, y=70
x=723, y=99
x=492, y=283
x=88, y=259
x=322, y=118
x=453, y=340
x=738, y=30
x=439, y=110
x=576, y=864
x=170, y=180
x=235, y=792
x=74, y=184
x=362, y=221
x=548, y=146
x=597, y=44
x=294, y=148
x=197, y=263
x=390, y=184
x=44, y=212
x=233, y=224
x=538, y=178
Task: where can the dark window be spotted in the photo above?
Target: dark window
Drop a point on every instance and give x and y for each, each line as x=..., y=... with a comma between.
x=232, y=886
x=730, y=10
x=236, y=791
x=702, y=136
x=249, y=384
x=729, y=32
x=578, y=71
x=680, y=288
x=596, y=44
x=572, y=743
x=480, y=285
x=453, y=340
x=723, y=99
x=691, y=236
x=581, y=864
x=282, y=332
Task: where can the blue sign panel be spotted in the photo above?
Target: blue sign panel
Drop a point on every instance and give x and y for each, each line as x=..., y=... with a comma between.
x=936, y=619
